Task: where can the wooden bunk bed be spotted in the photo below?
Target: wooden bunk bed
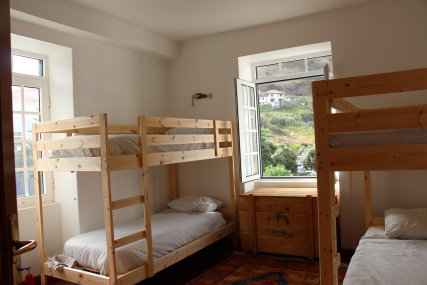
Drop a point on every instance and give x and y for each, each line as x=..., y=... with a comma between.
x=354, y=156
x=151, y=132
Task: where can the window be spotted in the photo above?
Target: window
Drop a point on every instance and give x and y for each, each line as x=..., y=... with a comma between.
x=285, y=123
x=30, y=103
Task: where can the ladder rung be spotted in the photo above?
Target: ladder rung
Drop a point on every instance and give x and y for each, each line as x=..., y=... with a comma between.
x=122, y=203
x=129, y=239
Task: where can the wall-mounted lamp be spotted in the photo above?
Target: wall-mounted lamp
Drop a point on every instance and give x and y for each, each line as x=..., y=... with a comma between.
x=200, y=96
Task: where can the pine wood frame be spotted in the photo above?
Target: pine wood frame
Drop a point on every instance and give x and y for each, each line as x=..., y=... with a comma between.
x=329, y=93
x=151, y=131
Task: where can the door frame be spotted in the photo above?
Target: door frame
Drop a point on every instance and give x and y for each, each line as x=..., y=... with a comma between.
x=8, y=206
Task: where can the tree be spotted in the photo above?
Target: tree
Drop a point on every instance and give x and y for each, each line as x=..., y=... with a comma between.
x=309, y=158
x=277, y=170
x=267, y=151
x=286, y=156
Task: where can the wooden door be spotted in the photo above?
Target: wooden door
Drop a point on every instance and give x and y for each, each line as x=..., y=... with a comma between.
x=8, y=206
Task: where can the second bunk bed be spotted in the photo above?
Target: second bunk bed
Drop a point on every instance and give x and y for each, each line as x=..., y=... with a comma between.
x=130, y=252
x=393, y=138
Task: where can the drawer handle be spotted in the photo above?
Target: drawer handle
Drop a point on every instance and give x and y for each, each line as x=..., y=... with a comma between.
x=281, y=215
x=282, y=233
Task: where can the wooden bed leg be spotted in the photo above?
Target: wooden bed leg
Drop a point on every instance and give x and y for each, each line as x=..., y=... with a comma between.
x=173, y=181
x=368, y=199
x=39, y=207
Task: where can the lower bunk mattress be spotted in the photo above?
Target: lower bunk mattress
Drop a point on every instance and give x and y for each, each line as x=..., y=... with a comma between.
x=382, y=260
x=170, y=231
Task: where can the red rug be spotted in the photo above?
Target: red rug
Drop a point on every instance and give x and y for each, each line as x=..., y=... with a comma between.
x=246, y=269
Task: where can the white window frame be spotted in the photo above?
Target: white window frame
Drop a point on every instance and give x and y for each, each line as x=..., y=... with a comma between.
x=41, y=82
x=281, y=77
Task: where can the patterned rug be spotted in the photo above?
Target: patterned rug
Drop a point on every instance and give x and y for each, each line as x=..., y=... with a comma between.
x=246, y=269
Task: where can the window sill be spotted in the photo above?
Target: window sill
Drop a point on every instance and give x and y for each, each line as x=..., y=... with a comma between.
x=286, y=183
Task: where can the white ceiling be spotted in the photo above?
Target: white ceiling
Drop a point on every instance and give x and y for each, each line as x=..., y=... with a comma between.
x=182, y=20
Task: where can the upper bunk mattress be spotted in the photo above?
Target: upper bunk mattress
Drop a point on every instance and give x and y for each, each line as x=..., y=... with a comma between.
x=125, y=145
x=376, y=138
x=170, y=231
x=381, y=260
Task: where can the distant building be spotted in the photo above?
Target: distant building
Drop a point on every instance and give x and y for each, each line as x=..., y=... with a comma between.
x=272, y=97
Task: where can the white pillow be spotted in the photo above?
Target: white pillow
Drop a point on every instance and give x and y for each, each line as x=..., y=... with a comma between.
x=195, y=204
x=406, y=223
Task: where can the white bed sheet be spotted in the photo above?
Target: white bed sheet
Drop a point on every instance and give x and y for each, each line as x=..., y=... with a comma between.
x=385, y=261
x=170, y=229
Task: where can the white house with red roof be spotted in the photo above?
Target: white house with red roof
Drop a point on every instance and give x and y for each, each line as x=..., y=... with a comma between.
x=272, y=97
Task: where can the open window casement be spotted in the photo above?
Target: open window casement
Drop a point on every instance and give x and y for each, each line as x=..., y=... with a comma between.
x=248, y=129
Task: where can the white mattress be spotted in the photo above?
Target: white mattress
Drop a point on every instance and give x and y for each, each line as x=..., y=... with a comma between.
x=125, y=145
x=385, y=261
x=170, y=229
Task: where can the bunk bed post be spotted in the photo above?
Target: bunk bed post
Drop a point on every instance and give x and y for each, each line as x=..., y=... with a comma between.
x=106, y=191
x=233, y=188
x=368, y=199
x=145, y=188
x=325, y=188
x=39, y=206
x=173, y=181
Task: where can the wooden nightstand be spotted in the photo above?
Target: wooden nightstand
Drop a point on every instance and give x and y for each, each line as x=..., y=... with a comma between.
x=280, y=221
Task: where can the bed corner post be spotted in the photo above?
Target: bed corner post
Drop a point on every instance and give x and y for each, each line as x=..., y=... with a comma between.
x=142, y=123
x=329, y=258
x=107, y=199
x=39, y=206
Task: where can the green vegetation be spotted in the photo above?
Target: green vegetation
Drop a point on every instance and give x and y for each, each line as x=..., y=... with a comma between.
x=287, y=131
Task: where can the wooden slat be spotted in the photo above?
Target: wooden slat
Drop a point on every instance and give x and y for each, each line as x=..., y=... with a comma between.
x=401, y=81
x=389, y=157
x=129, y=239
x=178, y=139
x=163, y=122
x=69, y=124
x=343, y=105
x=133, y=276
x=223, y=124
x=118, y=162
x=126, y=202
x=179, y=254
x=225, y=151
x=76, y=275
x=77, y=142
x=112, y=130
x=163, y=158
x=374, y=119
x=70, y=164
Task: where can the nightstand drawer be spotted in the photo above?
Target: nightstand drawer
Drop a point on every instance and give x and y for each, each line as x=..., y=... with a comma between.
x=281, y=220
x=274, y=204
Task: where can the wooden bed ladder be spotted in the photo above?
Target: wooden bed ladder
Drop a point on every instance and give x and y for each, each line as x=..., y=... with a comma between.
x=110, y=205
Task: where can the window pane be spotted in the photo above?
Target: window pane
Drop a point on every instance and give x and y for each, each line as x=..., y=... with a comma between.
x=27, y=65
x=292, y=67
x=31, y=99
x=29, y=120
x=287, y=129
x=29, y=154
x=266, y=71
x=19, y=155
x=317, y=63
x=30, y=181
x=20, y=184
x=17, y=127
x=16, y=98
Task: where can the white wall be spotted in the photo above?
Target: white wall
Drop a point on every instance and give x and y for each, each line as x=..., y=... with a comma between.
x=381, y=36
x=105, y=79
